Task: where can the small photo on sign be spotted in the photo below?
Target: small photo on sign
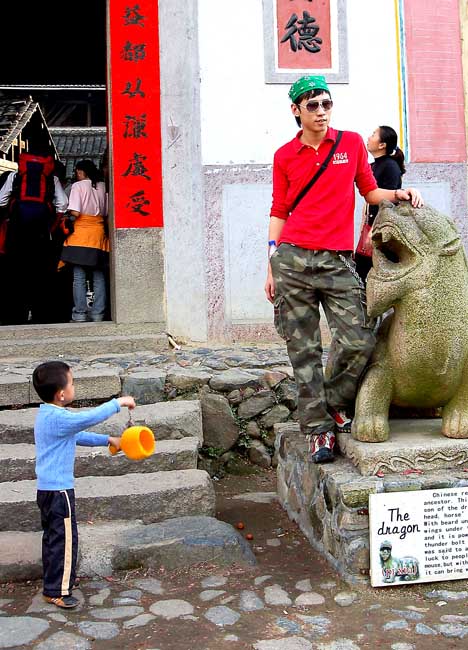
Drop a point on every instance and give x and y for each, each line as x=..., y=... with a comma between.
x=418, y=536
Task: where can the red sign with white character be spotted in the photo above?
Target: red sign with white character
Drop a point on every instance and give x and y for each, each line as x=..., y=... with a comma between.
x=135, y=113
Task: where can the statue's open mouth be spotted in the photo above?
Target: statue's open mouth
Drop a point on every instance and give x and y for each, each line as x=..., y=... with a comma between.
x=394, y=256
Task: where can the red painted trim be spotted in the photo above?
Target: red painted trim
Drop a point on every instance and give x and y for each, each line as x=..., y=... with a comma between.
x=135, y=113
x=435, y=81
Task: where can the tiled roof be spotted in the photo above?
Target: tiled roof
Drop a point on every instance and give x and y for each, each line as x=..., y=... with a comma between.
x=75, y=143
x=14, y=115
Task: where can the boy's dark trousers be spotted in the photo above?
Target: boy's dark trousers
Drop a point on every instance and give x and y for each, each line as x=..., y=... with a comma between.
x=59, y=541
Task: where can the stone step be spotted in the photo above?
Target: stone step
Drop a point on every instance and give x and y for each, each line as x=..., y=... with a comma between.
x=72, y=330
x=17, y=462
x=168, y=421
x=105, y=548
x=16, y=389
x=79, y=346
x=148, y=497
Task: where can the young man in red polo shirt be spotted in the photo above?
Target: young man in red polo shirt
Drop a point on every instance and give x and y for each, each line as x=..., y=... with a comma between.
x=311, y=262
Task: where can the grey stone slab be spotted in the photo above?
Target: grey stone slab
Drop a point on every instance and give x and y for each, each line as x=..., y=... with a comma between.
x=345, y=598
x=233, y=379
x=146, y=386
x=214, y=581
x=136, y=594
x=304, y=585
x=19, y=631
x=399, y=624
x=64, y=641
x=276, y=595
x=20, y=558
x=424, y=630
x=288, y=643
x=90, y=383
x=167, y=420
x=138, y=621
x=149, y=497
x=222, y=615
x=14, y=390
x=151, y=585
x=413, y=444
x=448, y=595
x=170, y=609
x=180, y=542
x=210, y=594
x=250, y=602
x=100, y=631
x=81, y=346
x=186, y=379
x=17, y=461
x=115, y=613
x=220, y=429
x=309, y=599
x=97, y=600
x=339, y=644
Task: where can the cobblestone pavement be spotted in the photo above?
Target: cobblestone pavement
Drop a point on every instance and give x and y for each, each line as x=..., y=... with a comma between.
x=216, y=358
x=292, y=600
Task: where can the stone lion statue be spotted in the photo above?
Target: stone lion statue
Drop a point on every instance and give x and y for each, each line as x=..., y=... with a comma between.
x=421, y=357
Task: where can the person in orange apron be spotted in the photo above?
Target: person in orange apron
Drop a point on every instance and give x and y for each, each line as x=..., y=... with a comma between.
x=87, y=247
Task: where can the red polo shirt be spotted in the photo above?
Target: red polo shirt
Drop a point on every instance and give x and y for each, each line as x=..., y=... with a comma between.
x=324, y=219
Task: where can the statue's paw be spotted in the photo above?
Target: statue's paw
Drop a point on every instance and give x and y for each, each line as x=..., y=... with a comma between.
x=370, y=428
x=455, y=423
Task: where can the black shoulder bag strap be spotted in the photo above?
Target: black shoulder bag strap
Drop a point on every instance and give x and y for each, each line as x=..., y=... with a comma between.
x=319, y=172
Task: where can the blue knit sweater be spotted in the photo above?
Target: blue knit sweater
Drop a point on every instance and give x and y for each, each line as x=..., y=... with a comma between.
x=57, y=431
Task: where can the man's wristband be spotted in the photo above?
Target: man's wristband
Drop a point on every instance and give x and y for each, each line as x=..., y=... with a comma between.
x=272, y=242
x=395, y=196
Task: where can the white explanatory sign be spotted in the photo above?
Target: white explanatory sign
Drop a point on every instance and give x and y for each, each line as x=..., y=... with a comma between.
x=419, y=536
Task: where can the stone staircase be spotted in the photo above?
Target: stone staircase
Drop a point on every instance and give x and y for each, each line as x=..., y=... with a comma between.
x=129, y=512
x=79, y=339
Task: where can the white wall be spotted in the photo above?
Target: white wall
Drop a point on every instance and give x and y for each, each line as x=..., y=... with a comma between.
x=244, y=120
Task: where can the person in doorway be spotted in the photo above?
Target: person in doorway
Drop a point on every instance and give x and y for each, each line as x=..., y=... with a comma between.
x=87, y=247
x=311, y=262
x=33, y=196
x=388, y=168
x=57, y=431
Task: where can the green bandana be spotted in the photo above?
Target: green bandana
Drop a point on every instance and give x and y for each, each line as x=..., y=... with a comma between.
x=304, y=84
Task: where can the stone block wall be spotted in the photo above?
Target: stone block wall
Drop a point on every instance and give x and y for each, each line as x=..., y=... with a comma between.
x=330, y=502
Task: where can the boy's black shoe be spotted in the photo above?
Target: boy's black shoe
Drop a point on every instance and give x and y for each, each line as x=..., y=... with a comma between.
x=64, y=602
x=321, y=447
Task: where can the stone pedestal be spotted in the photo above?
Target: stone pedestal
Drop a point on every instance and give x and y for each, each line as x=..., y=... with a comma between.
x=412, y=444
x=330, y=502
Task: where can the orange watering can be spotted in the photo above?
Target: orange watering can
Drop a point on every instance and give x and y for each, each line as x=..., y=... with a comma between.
x=137, y=442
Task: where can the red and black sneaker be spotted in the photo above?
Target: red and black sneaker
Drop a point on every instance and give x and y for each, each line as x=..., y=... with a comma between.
x=321, y=446
x=342, y=421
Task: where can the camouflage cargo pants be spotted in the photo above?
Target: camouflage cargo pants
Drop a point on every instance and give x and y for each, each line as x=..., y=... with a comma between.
x=304, y=279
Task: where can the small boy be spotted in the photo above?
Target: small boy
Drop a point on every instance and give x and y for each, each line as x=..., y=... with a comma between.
x=57, y=431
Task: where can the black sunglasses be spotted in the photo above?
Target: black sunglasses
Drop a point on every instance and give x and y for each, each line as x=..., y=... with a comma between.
x=312, y=106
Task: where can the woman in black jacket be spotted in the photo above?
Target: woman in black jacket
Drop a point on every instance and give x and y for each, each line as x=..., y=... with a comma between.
x=388, y=168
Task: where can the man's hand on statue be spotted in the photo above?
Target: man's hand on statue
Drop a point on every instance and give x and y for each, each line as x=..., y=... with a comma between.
x=412, y=193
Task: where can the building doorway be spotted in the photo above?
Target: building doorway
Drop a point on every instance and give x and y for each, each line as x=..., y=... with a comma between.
x=54, y=80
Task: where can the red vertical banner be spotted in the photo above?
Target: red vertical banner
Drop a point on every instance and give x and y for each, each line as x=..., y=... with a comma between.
x=135, y=113
x=304, y=34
